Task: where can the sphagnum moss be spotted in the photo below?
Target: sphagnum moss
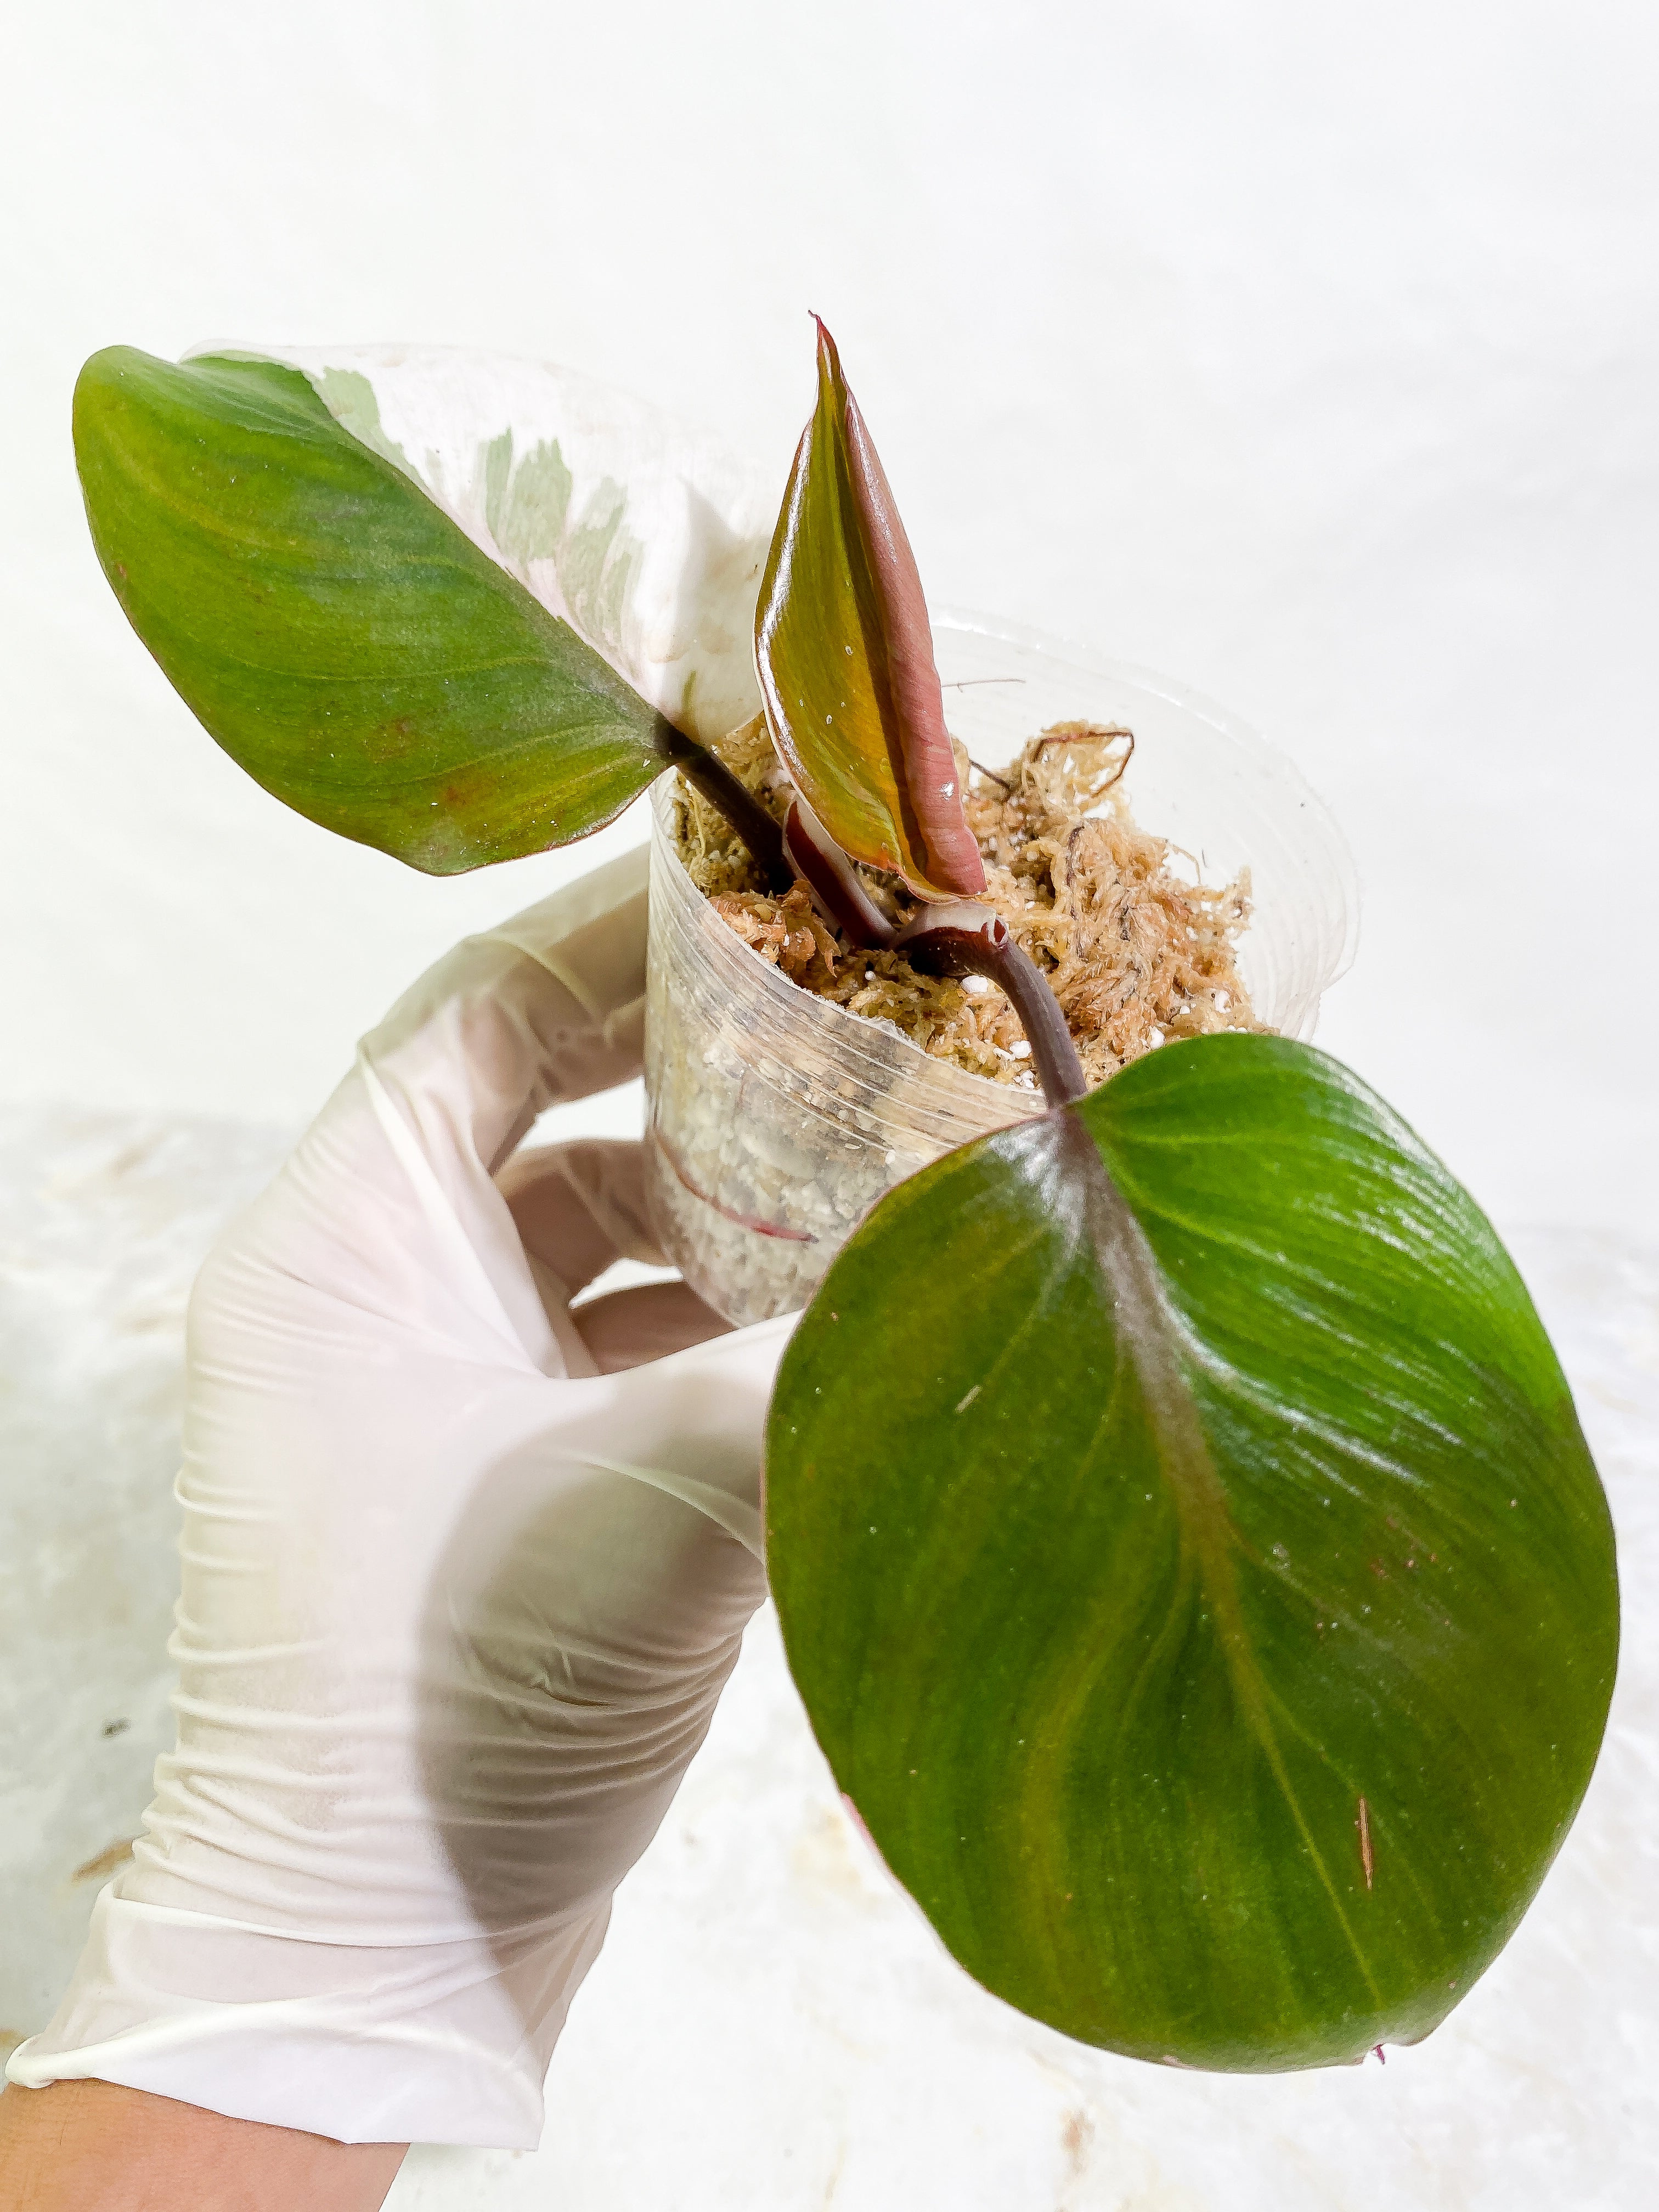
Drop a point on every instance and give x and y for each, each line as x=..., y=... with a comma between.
x=1135, y=949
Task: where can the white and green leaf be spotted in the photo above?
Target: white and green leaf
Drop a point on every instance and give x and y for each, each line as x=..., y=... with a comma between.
x=445, y=604
x=642, y=532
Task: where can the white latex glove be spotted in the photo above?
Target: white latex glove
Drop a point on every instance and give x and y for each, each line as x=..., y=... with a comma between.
x=462, y=1582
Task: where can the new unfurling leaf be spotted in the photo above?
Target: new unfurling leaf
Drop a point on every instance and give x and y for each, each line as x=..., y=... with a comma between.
x=845, y=655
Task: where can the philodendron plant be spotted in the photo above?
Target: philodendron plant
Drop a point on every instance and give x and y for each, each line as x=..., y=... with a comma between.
x=1184, y=1539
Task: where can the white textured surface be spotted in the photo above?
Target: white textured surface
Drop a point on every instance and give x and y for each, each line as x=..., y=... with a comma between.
x=103, y=1222
x=770, y=2024
x=1306, y=351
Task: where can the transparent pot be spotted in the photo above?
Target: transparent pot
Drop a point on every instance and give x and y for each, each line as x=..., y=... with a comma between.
x=775, y=1119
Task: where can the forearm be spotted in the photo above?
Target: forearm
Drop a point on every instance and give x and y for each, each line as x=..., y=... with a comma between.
x=94, y=2146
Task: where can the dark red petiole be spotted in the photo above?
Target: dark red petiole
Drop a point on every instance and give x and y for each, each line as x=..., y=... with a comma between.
x=957, y=937
x=841, y=894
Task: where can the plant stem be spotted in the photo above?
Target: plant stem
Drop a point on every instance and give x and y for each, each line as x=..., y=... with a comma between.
x=741, y=809
x=1027, y=989
x=960, y=938
x=839, y=891
x=953, y=937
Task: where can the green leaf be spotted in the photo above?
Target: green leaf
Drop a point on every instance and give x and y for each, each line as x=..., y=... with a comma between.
x=844, y=654
x=1190, y=1560
x=339, y=634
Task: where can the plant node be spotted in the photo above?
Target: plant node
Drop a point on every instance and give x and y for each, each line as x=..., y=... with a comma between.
x=957, y=937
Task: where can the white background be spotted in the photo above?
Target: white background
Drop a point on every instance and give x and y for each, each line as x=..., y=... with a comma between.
x=1308, y=354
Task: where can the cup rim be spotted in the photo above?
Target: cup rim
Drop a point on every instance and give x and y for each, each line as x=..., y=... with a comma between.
x=1189, y=700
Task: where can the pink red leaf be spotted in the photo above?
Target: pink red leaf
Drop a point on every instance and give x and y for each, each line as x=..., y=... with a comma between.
x=845, y=653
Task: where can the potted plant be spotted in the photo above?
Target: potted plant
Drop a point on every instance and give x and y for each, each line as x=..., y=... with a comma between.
x=1184, y=1542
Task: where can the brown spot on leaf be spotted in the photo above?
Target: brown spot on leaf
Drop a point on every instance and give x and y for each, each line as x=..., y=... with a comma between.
x=1363, y=1823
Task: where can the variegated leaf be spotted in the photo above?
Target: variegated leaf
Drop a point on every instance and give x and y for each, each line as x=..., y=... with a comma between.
x=645, y=533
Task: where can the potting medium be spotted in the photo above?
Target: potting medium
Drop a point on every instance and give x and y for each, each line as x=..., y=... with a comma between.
x=776, y=1119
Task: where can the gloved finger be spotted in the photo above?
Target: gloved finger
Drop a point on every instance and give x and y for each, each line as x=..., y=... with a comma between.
x=579, y=1207
x=389, y=1200
x=548, y=1007
x=645, y=1322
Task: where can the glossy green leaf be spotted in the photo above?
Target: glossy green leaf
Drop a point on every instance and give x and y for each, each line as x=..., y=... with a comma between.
x=343, y=638
x=844, y=654
x=1190, y=1560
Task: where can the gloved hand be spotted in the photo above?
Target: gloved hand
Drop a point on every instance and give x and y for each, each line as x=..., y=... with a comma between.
x=463, y=1579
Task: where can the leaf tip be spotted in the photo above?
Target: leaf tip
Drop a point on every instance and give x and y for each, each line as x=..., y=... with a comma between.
x=101, y=375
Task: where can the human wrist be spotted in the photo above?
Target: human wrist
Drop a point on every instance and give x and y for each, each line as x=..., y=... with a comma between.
x=88, y=2146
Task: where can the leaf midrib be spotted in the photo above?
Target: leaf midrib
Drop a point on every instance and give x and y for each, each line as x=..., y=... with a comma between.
x=1141, y=1310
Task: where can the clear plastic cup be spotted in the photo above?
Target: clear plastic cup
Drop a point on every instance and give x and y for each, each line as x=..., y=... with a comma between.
x=775, y=1119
